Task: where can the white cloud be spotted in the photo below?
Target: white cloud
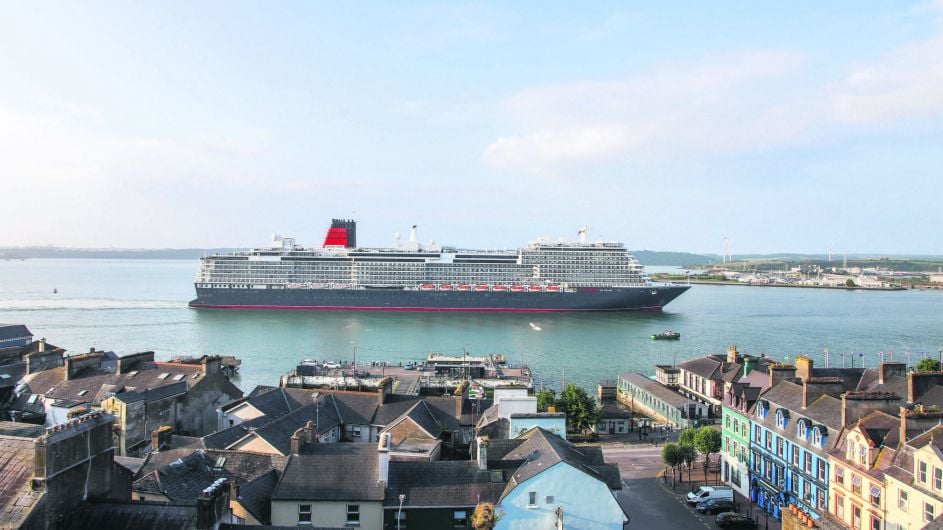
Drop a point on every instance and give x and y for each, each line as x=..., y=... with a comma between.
x=707, y=108
x=906, y=83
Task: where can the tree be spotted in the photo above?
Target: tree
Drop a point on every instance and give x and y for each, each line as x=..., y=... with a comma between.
x=688, y=456
x=927, y=364
x=485, y=516
x=707, y=441
x=671, y=456
x=686, y=437
x=581, y=409
x=545, y=399
x=850, y=283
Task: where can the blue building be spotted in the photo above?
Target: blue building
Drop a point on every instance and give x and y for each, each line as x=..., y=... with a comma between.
x=14, y=335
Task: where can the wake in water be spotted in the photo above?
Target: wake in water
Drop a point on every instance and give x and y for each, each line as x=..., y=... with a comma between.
x=86, y=303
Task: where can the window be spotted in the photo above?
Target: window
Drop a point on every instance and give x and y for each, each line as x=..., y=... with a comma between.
x=769, y=441
x=856, y=517
x=820, y=503
x=400, y=519
x=840, y=507
x=902, y=500
x=817, y=438
x=850, y=454
x=779, y=447
x=532, y=499
x=822, y=473
x=353, y=514
x=856, y=484
x=800, y=429
x=927, y=512
x=163, y=376
x=862, y=455
x=549, y=499
x=937, y=478
x=178, y=377
x=795, y=484
x=875, y=495
x=459, y=519
x=808, y=462
x=795, y=456
x=304, y=514
x=840, y=475
x=756, y=433
x=922, y=471
x=875, y=523
x=355, y=432
x=727, y=421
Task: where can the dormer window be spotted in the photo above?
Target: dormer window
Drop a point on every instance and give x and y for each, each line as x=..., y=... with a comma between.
x=782, y=417
x=817, y=437
x=801, y=430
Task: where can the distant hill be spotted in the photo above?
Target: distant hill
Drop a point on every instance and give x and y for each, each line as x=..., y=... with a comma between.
x=680, y=259
x=84, y=253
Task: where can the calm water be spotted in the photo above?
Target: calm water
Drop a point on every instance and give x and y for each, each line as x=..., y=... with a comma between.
x=132, y=305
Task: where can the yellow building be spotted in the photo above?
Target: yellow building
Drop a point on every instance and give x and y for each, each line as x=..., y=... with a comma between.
x=914, y=483
x=859, y=461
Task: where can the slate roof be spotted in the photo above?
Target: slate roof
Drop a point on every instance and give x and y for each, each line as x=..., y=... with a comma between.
x=273, y=402
x=182, y=479
x=11, y=373
x=23, y=430
x=443, y=483
x=329, y=472
x=824, y=411
x=17, y=501
x=278, y=432
x=656, y=389
x=14, y=331
x=357, y=409
x=130, y=463
x=226, y=437
x=611, y=409
x=541, y=450
x=421, y=416
x=256, y=496
x=131, y=516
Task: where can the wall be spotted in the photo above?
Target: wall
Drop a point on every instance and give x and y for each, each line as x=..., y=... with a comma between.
x=255, y=444
x=735, y=449
x=517, y=405
x=239, y=414
x=520, y=425
x=420, y=518
x=587, y=503
x=328, y=514
x=238, y=510
x=198, y=417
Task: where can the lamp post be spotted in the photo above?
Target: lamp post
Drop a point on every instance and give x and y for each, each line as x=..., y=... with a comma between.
x=399, y=513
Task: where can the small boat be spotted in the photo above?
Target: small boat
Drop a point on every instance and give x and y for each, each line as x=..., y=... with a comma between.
x=481, y=287
x=553, y=288
x=464, y=288
x=517, y=288
x=667, y=335
x=55, y=291
x=428, y=287
x=499, y=288
x=535, y=327
x=535, y=288
x=445, y=287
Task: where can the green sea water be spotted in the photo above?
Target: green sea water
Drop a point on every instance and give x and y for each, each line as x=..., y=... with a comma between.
x=136, y=305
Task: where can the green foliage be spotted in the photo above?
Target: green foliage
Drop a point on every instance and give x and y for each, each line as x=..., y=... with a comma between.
x=686, y=437
x=688, y=454
x=671, y=456
x=707, y=440
x=927, y=364
x=581, y=410
x=545, y=398
x=850, y=283
x=485, y=516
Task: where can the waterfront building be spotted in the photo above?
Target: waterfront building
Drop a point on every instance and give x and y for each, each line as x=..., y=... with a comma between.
x=914, y=482
x=658, y=402
x=707, y=379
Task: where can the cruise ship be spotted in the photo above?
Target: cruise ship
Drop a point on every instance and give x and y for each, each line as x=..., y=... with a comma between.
x=543, y=276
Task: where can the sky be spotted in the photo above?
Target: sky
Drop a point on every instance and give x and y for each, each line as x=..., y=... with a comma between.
x=789, y=127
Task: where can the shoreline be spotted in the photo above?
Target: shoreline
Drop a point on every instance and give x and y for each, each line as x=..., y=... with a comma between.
x=833, y=287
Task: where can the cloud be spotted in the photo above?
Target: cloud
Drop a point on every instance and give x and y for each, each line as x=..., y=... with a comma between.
x=907, y=83
x=706, y=108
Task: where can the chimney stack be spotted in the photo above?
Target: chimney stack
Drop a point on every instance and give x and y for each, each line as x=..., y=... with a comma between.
x=383, y=457
x=482, y=444
x=813, y=389
x=133, y=361
x=41, y=347
x=309, y=432
x=296, y=444
x=213, y=504
x=161, y=437
x=732, y=354
x=887, y=369
x=919, y=382
x=904, y=411
x=76, y=363
x=804, y=366
x=854, y=405
x=781, y=372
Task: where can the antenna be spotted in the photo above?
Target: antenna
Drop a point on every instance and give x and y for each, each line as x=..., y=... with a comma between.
x=830, y=249
x=724, y=249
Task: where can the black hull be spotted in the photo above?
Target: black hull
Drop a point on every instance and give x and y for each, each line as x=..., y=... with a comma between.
x=652, y=298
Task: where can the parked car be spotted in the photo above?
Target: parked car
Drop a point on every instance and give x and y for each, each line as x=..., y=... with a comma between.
x=330, y=365
x=705, y=493
x=734, y=520
x=712, y=506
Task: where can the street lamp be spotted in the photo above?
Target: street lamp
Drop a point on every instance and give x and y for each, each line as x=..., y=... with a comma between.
x=399, y=513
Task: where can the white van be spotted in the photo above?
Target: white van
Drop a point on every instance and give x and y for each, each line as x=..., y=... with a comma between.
x=705, y=493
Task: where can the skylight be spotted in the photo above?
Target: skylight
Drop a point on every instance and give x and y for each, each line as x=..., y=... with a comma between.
x=178, y=377
x=163, y=376
x=83, y=392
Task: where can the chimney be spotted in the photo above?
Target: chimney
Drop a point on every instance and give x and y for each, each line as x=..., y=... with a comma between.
x=804, y=367
x=904, y=411
x=213, y=504
x=76, y=363
x=41, y=347
x=482, y=443
x=919, y=382
x=133, y=361
x=211, y=364
x=888, y=369
x=383, y=457
x=732, y=354
x=296, y=444
x=781, y=372
x=309, y=432
x=749, y=362
x=384, y=387
x=161, y=437
x=91, y=350
x=854, y=405
x=813, y=389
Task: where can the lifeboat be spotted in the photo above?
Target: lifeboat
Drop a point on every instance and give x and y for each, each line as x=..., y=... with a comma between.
x=464, y=288
x=518, y=288
x=499, y=288
x=553, y=288
x=427, y=287
x=481, y=287
x=535, y=288
x=445, y=287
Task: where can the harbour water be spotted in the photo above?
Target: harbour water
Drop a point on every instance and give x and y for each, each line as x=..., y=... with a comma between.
x=135, y=305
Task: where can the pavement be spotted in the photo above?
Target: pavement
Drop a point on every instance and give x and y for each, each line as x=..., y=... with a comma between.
x=649, y=499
